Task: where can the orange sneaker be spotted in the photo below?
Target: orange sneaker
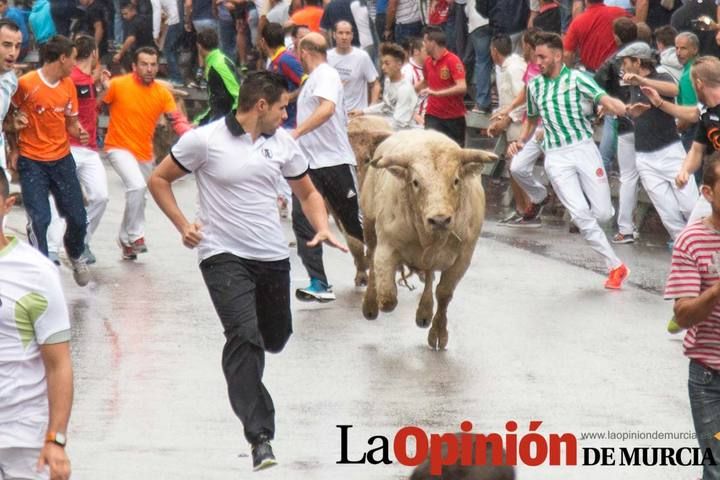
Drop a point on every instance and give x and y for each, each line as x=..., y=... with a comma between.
x=617, y=277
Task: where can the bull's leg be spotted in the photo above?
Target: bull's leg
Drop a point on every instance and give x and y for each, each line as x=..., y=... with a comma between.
x=357, y=249
x=385, y=263
x=425, y=309
x=438, y=334
x=370, y=304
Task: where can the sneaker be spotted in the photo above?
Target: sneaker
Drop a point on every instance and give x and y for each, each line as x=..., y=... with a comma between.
x=510, y=218
x=617, y=277
x=316, y=291
x=573, y=228
x=535, y=209
x=523, y=222
x=621, y=238
x=53, y=256
x=81, y=272
x=262, y=455
x=139, y=246
x=673, y=327
x=128, y=252
x=89, y=256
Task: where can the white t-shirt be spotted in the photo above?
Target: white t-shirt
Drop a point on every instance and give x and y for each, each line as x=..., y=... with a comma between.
x=279, y=13
x=398, y=104
x=356, y=70
x=8, y=86
x=236, y=182
x=362, y=21
x=327, y=145
x=33, y=312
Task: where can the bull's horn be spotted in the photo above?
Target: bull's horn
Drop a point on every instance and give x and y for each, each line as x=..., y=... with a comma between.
x=385, y=161
x=473, y=155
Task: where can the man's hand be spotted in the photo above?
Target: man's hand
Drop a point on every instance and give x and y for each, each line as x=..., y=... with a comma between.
x=652, y=95
x=515, y=147
x=355, y=113
x=12, y=159
x=54, y=457
x=637, y=109
x=329, y=239
x=540, y=135
x=295, y=134
x=191, y=235
x=105, y=76
x=116, y=58
x=681, y=179
x=633, y=79
x=83, y=135
x=500, y=113
x=19, y=121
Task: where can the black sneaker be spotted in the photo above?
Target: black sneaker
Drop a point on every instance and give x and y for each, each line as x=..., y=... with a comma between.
x=262, y=455
x=535, y=209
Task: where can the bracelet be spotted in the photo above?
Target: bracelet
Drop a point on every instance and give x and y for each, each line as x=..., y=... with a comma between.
x=662, y=101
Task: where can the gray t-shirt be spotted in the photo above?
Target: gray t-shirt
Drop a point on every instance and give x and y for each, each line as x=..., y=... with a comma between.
x=654, y=129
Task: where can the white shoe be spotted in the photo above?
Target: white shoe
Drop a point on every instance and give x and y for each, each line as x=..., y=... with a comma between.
x=81, y=272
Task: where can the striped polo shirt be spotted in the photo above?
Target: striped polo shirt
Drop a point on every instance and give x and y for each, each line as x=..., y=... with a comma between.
x=558, y=101
x=692, y=272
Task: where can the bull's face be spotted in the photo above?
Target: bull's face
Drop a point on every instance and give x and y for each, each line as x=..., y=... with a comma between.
x=435, y=181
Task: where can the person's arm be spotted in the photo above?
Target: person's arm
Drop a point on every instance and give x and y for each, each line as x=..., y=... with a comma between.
x=459, y=88
x=313, y=206
x=156, y=18
x=390, y=19
x=528, y=127
x=663, y=87
x=374, y=88
x=160, y=186
x=99, y=31
x=691, y=311
x=322, y=114
x=641, y=10
x=613, y=105
x=126, y=46
x=187, y=13
x=404, y=108
x=420, y=86
x=685, y=113
x=692, y=162
x=73, y=127
x=577, y=7
x=58, y=372
x=518, y=101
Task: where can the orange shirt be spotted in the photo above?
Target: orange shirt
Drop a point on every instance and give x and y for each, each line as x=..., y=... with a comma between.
x=45, y=139
x=134, y=111
x=309, y=16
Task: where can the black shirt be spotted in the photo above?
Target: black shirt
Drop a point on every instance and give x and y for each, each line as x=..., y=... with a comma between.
x=708, y=132
x=141, y=28
x=509, y=16
x=654, y=129
x=86, y=24
x=608, y=77
x=682, y=22
x=658, y=15
x=549, y=20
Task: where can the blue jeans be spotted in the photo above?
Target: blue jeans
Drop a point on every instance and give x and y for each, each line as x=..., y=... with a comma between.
x=450, y=33
x=170, y=50
x=608, y=141
x=37, y=181
x=480, y=38
x=704, y=390
x=228, y=38
x=407, y=30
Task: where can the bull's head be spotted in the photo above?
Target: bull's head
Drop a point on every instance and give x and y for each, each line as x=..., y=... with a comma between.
x=435, y=178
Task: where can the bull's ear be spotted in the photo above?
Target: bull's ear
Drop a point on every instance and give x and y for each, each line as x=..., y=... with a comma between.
x=473, y=160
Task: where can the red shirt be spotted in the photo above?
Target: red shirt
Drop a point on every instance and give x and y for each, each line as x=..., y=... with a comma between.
x=591, y=32
x=441, y=74
x=87, y=106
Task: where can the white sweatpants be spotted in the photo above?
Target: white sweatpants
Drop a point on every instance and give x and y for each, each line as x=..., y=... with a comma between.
x=93, y=179
x=629, y=177
x=522, y=169
x=576, y=173
x=657, y=171
x=134, y=175
x=21, y=464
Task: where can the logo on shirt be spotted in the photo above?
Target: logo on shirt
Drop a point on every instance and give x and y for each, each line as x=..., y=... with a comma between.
x=600, y=172
x=445, y=73
x=266, y=153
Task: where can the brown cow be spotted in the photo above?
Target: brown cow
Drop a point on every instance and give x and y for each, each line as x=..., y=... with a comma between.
x=423, y=205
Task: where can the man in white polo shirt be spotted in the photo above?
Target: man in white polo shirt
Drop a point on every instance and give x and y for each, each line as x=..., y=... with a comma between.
x=356, y=69
x=243, y=252
x=322, y=133
x=36, y=385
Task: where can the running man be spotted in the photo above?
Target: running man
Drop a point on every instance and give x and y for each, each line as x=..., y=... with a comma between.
x=572, y=160
x=242, y=250
x=35, y=366
x=10, y=45
x=136, y=103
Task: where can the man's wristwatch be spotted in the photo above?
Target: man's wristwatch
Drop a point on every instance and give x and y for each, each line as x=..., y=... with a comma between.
x=57, y=438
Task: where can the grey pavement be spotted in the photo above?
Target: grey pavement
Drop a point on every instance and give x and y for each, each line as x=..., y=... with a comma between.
x=533, y=336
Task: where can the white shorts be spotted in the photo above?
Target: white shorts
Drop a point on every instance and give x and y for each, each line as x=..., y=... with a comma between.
x=21, y=464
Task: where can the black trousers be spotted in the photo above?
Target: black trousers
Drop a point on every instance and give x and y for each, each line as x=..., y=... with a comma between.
x=252, y=300
x=452, y=127
x=338, y=186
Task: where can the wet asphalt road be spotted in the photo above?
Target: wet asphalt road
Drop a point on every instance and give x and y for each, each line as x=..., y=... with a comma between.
x=533, y=336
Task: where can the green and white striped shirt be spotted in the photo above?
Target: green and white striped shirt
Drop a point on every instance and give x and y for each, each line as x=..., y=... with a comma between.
x=558, y=101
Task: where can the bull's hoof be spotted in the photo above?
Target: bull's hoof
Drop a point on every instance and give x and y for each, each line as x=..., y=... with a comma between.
x=437, y=340
x=388, y=305
x=370, y=312
x=361, y=279
x=422, y=320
